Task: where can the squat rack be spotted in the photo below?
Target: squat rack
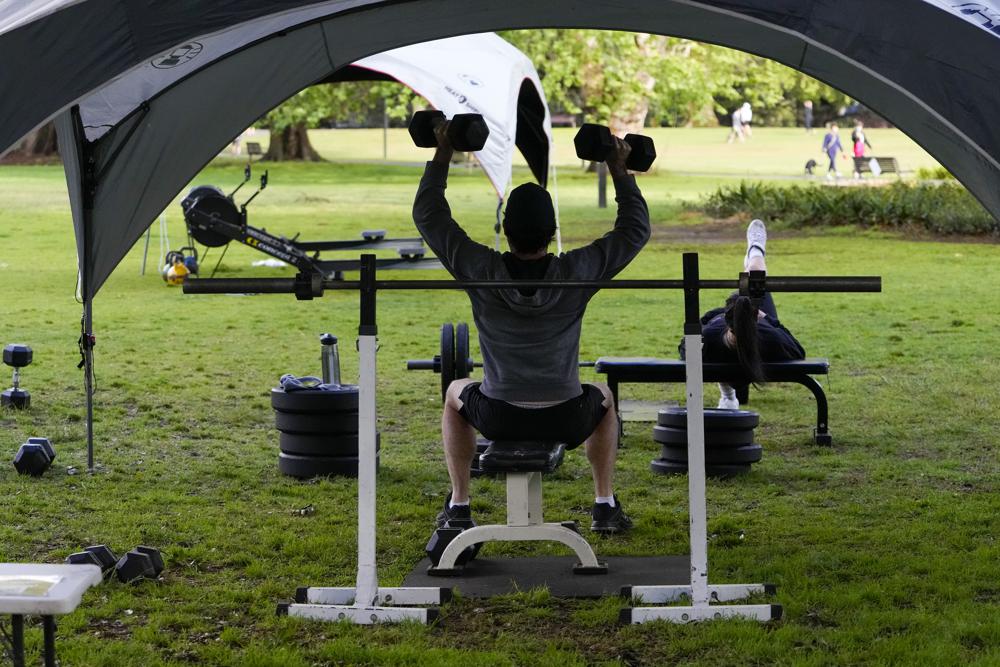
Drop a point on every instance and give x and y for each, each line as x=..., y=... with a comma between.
x=367, y=603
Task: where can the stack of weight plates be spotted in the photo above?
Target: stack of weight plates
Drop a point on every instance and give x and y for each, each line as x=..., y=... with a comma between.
x=729, y=445
x=318, y=431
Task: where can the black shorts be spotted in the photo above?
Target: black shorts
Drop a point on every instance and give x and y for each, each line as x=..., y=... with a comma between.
x=570, y=422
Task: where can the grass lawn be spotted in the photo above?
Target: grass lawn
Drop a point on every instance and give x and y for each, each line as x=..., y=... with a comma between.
x=884, y=548
x=772, y=151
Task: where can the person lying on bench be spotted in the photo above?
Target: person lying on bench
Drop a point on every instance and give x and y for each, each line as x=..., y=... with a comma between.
x=530, y=339
x=740, y=333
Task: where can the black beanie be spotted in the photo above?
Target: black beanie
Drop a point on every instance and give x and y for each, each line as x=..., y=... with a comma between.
x=529, y=220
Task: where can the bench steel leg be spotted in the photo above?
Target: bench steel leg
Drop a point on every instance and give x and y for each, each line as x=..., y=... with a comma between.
x=821, y=435
x=49, y=633
x=524, y=524
x=17, y=639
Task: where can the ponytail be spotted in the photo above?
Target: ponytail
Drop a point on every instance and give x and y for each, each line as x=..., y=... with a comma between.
x=741, y=318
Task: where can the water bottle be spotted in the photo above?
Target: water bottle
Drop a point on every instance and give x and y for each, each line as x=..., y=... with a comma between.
x=330, y=359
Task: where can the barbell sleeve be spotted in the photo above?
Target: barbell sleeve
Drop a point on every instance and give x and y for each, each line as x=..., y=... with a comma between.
x=420, y=365
x=240, y=286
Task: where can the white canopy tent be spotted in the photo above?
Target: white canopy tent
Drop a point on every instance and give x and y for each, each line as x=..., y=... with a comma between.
x=929, y=66
x=477, y=74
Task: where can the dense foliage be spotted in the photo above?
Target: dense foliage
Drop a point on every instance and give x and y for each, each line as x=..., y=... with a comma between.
x=628, y=80
x=945, y=208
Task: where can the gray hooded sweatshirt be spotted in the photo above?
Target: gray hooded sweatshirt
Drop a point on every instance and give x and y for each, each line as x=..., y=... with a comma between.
x=530, y=344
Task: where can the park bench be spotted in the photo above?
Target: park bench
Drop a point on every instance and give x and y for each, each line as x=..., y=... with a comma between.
x=253, y=150
x=649, y=369
x=887, y=165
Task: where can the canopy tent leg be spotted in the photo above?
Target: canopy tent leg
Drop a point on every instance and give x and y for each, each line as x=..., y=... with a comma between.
x=87, y=350
x=555, y=202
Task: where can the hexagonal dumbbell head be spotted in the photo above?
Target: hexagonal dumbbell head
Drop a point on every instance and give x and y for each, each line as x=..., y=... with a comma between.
x=135, y=566
x=468, y=132
x=46, y=445
x=154, y=556
x=422, y=127
x=32, y=459
x=643, y=152
x=17, y=355
x=83, y=558
x=593, y=142
x=106, y=558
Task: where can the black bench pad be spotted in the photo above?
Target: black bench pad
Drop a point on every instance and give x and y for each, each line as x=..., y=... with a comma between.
x=652, y=369
x=522, y=456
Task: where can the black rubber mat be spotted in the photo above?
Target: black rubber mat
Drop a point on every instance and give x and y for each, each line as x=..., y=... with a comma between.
x=487, y=577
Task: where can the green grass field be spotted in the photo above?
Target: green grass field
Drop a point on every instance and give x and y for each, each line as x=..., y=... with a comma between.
x=884, y=548
x=772, y=151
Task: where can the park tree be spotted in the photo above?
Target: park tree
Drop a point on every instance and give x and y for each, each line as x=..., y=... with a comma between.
x=38, y=146
x=289, y=122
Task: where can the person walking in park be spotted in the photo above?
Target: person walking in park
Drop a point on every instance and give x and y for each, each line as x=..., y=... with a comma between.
x=831, y=146
x=530, y=338
x=807, y=115
x=858, y=142
x=736, y=126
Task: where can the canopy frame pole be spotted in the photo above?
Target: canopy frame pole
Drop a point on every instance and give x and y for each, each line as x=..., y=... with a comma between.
x=89, y=182
x=555, y=198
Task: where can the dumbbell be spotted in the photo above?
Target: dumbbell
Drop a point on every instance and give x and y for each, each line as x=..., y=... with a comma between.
x=100, y=555
x=140, y=563
x=442, y=537
x=594, y=142
x=17, y=356
x=466, y=131
x=34, y=457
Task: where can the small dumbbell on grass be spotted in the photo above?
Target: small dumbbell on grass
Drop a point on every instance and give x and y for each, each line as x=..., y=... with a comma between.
x=467, y=132
x=34, y=457
x=98, y=554
x=135, y=566
x=17, y=356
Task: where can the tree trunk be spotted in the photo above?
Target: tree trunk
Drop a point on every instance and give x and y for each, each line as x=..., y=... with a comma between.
x=39, y=146
x=291, y=143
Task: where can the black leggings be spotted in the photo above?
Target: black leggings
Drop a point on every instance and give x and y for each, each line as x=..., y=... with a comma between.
x=767, y=305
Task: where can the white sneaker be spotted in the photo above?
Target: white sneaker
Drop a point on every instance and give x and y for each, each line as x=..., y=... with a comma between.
x=756, y=238
x=728, y=403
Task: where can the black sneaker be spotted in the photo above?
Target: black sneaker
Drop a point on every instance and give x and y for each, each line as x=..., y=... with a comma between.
x=609, y=520
x=455, y=517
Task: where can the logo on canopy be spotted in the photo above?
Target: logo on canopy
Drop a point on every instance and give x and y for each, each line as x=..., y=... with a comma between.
x=469, y=79
x=179, y=56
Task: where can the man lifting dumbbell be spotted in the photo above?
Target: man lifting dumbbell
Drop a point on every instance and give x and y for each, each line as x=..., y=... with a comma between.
x=530, y=339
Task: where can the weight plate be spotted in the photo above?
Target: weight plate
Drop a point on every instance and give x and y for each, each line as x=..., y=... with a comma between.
x=321, y=445
x=676, y=468
x=305, y=467
x=718, y=455
x=715, y=419
x=447, y=357
x=305, y=422
x=463, y=368
x=316, y=400
x=666, y=435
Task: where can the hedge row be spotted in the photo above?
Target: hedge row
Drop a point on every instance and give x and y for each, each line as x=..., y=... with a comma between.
x=945, y=208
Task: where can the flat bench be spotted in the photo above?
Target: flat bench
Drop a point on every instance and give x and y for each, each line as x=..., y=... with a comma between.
x=651, y=369
x=887, y=165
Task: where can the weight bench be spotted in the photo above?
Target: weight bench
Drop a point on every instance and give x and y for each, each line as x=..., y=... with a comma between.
x=523, y=462
x=650, y=369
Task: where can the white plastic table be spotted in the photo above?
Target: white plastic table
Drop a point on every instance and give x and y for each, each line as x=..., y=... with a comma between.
x=42, y=590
